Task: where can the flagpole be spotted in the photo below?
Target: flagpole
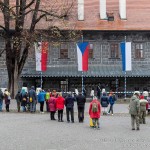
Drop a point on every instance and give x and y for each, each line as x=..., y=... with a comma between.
x=82, y=71
x=41, y=69
x=125, y=81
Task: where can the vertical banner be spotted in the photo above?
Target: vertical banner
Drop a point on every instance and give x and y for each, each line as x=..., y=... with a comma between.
x=83, y=55
x=126, y=56
x=41, y=54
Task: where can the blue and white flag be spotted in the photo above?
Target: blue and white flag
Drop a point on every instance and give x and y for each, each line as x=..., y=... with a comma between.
x=126, y=56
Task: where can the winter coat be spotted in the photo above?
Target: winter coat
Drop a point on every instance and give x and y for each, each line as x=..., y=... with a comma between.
x=112, y=100
x=104, y=100
x=95, y=114
x=143, y=103
x=69, y=101
x=7, y=97
x=1, y=95
x=32, y=94
x=52, y=104
x=41, y=97
x=47, y=96
x=18, y=97
x=81, y=100
x=60, y=102
x=134, y=106
x=24, y=98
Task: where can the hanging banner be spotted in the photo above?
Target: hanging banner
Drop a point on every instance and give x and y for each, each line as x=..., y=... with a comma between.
x=126, y=56
x=83, y=55
x=41, y=54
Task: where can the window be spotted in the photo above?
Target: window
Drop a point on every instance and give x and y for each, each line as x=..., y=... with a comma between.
x=114, y=51
x=64, y=51
x=91, y=51
x=139, y=51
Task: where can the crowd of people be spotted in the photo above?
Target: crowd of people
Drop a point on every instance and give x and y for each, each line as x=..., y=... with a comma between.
x=56, y=102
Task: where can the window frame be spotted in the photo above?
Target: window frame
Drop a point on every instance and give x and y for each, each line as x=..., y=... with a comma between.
x=116, y=51
x=137, y=51
x=91, y=49
x=62, y=50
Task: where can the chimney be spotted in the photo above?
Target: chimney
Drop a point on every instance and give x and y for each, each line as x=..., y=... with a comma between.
x=122, y=9
x=103, y=14
x=80, y=9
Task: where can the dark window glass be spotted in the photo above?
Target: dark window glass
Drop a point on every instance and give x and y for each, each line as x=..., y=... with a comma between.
x=91, y=51
x=114, y=51
x=64, y=51
x=139, y=53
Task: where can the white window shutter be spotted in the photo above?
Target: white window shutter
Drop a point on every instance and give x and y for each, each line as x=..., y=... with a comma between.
x=103, y=14
x=80, y=9
x=122, y=9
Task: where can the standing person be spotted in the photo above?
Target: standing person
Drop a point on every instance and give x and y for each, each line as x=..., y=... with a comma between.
x=145, y=93
x=52, y=106
x=32, y=99
x=99, y=91
x=47, y=97
x=134, y=110
x=41, y=99
x=94, y=112
x=92, y=93
x=112, y=100
x=69, y=103
x=143, y=103
x=1, y=99
x=60, y=102
x=104, y=103
x=24, y=99
x=18, y=100
x=81, y=105
x=7, y=99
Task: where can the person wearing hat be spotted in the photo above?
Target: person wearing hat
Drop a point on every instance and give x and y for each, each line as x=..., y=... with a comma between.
x=1, y=99
x=134, y=110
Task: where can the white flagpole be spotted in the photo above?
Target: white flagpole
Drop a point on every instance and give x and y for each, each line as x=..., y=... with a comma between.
x=41, y=70
x=125, y=80
x=82, y=74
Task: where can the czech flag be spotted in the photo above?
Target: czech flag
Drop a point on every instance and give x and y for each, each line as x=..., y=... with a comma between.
x=83, y=55
x=41, y=53
x=126, y=56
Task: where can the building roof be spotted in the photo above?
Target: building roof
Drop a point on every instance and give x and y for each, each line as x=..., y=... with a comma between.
x=138, y=17
x=94, y=71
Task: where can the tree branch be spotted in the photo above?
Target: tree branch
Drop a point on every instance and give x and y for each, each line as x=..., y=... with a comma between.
x=27, y=6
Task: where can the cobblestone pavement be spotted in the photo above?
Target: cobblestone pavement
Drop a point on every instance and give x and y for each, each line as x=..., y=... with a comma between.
x=25, y=131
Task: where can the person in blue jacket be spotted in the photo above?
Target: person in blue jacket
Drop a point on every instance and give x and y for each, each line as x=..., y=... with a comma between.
x=112, y=99
x=41, y=99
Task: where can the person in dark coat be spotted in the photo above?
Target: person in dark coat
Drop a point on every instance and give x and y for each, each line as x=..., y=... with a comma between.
x=24, y=99
x=18, y=100
x=7, y=99
x=69, y=103
x=99, y=91
x=32, y=99
x=104, y=103
x=81, y=104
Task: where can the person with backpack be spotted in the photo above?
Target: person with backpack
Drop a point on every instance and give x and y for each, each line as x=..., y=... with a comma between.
x=81, y=104
x=7, y=99
x=24, y=99
x=18, y=100
x=95, y=112
x=32, y=99
x=1, y=99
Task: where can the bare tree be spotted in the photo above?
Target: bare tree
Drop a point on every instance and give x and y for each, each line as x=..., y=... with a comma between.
x=22, y=21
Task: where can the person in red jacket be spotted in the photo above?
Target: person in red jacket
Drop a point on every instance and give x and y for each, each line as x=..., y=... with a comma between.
x=95, y=111
x=60, y=102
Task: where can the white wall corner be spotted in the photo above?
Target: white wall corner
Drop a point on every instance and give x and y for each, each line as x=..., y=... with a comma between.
x=103, y=14
x=80, y=9
x=122, y=9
